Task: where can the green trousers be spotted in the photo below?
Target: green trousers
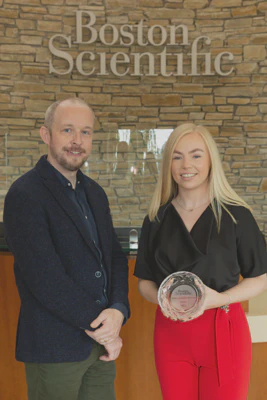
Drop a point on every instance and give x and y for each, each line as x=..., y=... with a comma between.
x=91, y=379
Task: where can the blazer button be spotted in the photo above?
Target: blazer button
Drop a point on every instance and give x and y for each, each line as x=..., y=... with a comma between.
x=98, y=274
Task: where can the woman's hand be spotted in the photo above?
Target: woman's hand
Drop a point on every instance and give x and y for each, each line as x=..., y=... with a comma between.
x=213, y=299
x=244, y=290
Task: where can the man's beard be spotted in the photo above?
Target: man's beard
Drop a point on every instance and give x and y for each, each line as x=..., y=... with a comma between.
x=66, y=164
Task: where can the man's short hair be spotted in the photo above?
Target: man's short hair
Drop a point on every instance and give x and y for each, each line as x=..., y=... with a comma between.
x=50, y=112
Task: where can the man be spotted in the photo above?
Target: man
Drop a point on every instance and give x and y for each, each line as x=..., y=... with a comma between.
x=70, y=270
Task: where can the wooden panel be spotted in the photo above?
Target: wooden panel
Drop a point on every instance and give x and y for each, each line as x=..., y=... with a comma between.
x=12, y=375
x=244, y=304
x=136, y=372
x=258, y=381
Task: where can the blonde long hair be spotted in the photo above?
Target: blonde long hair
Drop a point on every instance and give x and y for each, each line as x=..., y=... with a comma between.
x=220, y=191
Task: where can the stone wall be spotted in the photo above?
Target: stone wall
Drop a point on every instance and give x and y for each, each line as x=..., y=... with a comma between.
x=233, y=107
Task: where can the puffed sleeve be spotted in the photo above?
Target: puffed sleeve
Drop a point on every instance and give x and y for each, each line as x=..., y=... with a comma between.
x=142, y=267
x=251, y=245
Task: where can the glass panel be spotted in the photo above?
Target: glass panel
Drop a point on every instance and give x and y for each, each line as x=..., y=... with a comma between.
x=125, y=163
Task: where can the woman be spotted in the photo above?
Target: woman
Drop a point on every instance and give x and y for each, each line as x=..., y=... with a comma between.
x=197, y=223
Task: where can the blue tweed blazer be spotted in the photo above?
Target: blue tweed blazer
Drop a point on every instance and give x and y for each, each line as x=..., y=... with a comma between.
x=55, y=265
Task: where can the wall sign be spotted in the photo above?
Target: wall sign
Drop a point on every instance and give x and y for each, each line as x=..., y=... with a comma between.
x=122, y=63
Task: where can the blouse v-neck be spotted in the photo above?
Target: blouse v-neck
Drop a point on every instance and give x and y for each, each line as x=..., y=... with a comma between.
x=196, y=222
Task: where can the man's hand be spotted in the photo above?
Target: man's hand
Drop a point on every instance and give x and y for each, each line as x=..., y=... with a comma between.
x=113, y=350
x=111, y=320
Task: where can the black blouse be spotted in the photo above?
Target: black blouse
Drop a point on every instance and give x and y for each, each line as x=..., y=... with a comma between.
x=218, y=258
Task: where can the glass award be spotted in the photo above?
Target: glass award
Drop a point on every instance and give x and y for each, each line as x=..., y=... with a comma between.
x=181, y=296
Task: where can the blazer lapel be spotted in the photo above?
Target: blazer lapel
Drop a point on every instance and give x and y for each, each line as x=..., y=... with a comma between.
x=57, y=191
x=70, y=209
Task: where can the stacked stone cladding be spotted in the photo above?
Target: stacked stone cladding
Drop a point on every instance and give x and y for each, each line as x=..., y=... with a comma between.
x=232, y=107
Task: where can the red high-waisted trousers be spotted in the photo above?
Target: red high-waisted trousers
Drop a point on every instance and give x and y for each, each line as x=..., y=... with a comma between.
x=207, y=358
